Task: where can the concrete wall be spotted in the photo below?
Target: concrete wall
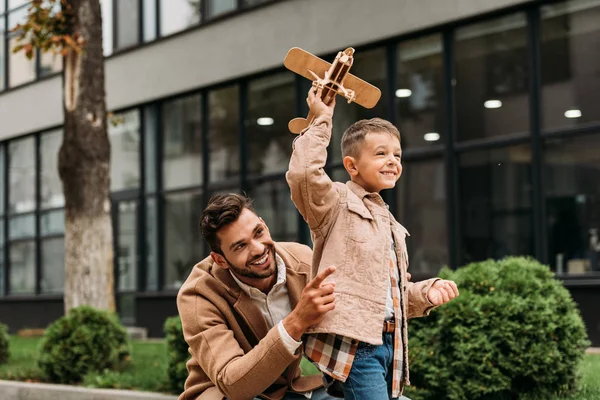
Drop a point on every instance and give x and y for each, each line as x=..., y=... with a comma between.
x=236, y=47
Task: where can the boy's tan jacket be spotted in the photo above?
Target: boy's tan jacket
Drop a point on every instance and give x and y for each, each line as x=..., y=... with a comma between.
x=351, y=229
x=234, y=354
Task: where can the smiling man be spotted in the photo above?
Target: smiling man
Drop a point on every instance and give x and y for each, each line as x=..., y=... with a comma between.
x=245, y=308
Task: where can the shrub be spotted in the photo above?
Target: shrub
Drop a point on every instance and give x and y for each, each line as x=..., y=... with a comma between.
x=178, y=354
x=514, y=332
x=4, y=351
x=84, y=340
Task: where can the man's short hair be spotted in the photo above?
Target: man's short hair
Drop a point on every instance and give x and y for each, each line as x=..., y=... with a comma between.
x=222, y=210
x=355, y=135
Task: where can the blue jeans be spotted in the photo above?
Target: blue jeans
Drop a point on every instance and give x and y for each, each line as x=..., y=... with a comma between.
x=371, y=374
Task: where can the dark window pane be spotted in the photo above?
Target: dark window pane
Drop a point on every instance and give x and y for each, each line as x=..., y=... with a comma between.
x=22, y=226
x=2, y=179
x=151, y=245
x=52, y=222
x=177, y=15
x=2, y=249
x=107, y=26
x=124, y=134
x=371, y=67
x=273, y=204
x=570, y=63
x=218, y=7
x=182, y=157
x=492, y=78
x=51, y=195
x=252, y=3
x=419, y=92
x=53, y=265
x=421, y=209
x=22, y=267
x=495, y=203
x=182, y=236
x=271, y=106
x=21, y=172
x=127, y=247
x=150, y=156
x=224, y=136
x=149, y=20
x=572, y=168
x=22, y=69
x=127, y=23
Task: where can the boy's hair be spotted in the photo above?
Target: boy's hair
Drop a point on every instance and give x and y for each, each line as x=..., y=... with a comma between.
x=355, y=134
x=222, y=209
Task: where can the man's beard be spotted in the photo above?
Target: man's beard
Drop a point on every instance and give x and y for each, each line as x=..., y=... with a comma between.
x=247, y=272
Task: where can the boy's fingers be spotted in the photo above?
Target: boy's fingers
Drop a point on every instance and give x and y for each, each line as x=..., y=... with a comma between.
x=321, y=276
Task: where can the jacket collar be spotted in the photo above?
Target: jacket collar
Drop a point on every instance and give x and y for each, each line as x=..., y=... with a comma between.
x=361, y=193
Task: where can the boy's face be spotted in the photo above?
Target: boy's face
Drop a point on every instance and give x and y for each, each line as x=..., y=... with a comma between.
x=378, y=165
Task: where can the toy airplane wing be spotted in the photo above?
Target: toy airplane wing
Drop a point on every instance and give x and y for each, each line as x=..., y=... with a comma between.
x=312, y=67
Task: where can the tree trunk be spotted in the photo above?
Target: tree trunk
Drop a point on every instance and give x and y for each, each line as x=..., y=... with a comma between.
x=84, y=167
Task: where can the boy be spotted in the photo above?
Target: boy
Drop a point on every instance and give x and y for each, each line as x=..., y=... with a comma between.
x=363, y=341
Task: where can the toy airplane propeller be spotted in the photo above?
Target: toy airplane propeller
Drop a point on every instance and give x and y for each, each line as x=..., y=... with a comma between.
x=332, y=78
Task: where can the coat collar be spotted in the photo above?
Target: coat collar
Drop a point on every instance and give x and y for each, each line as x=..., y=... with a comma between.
x=361, y=193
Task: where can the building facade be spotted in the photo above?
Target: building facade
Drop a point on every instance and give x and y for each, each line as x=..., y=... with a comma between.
x=497, y=102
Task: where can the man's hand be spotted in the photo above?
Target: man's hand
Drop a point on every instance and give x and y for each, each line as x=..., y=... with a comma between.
x=317, y=300
x=442, y=291
x=316, y=105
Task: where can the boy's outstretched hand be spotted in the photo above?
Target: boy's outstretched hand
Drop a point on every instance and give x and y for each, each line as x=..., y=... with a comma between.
x=316, y=105
x=442, y=291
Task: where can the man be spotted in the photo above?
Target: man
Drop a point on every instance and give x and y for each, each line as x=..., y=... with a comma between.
x=245, y=308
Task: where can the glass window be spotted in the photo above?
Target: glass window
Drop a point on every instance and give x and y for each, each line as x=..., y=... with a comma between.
x=21, y=172
x=107, y=26
x=2, y=266
x=271, y=105
x=16, y=3
x=151, y=244
x=182, y=236
x=22, y=267
x=127, y=245
x=52, y=222
x=124, y=134
x=252, y=3
x=182, y=157
x=273, y=204
x=419, y=92
x=224, y=136
x=570, y=63
x=421, y=209
x=127, y=23
x=495, y=203
x=177, y=15
x=492, y=78
x=370, y=66
x=51, y=195
x=149, y=20
x=53, y=265
x=50, y=63
x=2, y=186
x=150, y=156
x=22, y=69
x=218, y=7
x=21, y=227
x=572, y=168
x=2, y=52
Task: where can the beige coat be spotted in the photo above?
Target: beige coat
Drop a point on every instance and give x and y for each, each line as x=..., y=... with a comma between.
x=234, y=354
x=351, y=229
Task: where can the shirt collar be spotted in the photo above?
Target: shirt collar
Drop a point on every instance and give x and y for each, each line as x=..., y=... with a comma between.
x=252, y=291
x=362, y=193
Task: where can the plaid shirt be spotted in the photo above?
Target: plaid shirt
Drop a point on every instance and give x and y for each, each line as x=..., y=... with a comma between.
x=334, y=354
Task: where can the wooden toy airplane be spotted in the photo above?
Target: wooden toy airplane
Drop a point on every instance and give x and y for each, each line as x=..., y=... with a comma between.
x=332, y=78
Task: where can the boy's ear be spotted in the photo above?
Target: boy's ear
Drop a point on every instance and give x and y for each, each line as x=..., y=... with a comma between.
x=350, y=165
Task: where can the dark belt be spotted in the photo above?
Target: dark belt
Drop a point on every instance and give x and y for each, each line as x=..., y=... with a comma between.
x=389, y=326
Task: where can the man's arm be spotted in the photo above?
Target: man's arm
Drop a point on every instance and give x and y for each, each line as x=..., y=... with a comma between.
x=312, y=191
x=240, y=375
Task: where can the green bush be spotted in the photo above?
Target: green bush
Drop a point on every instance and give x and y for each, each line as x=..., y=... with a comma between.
x=178, y=354
x=4, y=352
x=85, y=340
x=514, y=332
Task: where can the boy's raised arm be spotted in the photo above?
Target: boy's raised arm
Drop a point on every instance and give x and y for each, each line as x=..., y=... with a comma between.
x=313, y=192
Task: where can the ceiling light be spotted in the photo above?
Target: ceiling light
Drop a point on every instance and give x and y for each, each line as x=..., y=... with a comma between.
x=403, y=93
x=573, y=113
x=492, y=104
x=265, y=121
x=431, y=137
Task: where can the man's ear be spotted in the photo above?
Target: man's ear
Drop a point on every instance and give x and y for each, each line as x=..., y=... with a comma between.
x=219, y=260
x=350, y=165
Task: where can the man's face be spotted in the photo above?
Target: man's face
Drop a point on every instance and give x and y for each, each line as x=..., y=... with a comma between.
x=248, y=250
